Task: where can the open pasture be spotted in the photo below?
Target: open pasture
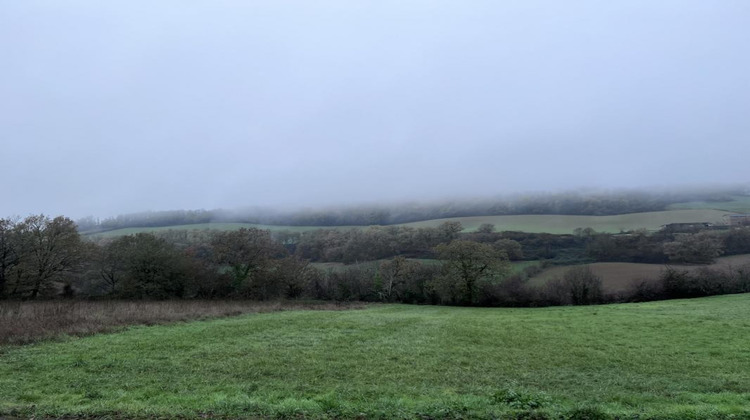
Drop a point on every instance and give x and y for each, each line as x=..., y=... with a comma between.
x=675, y=359
x=617, y=277
x=566, y=224
x=738, y=204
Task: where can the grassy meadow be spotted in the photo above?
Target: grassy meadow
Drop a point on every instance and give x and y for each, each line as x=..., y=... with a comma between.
x=557, y=224
x=619, y=276
x=560, y=224
x=738, y=204
x=675, y=359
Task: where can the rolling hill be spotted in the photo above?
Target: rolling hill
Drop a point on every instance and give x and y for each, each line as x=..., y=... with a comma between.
x=668, y=360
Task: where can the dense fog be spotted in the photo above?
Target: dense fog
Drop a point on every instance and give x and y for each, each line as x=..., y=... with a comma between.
x=116, y=107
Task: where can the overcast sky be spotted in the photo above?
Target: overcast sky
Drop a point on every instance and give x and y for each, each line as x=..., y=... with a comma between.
x=108, y=107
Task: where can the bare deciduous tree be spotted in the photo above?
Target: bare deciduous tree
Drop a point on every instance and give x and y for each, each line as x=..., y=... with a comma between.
x=394, y=274
x=469, y=262
x=9, y=252
x=698, y=248
x=246, y=252
x=49, y=248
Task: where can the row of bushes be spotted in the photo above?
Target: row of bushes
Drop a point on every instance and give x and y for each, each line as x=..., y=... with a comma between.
x=578, y=286
x=408, y=281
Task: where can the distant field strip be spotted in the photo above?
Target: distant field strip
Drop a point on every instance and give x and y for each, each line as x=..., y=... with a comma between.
x=566, y=224
x=620, y=276
x=668, y=360
x=739, y=204
x=524, y=223
x=215, y=226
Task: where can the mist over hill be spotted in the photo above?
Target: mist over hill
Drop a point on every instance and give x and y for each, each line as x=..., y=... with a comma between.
x=597, y=202
x=113, y=107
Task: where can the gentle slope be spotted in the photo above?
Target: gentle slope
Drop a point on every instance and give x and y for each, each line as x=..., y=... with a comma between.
x=661, y=359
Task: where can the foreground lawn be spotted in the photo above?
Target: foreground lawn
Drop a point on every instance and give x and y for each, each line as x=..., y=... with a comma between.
x=675, y=359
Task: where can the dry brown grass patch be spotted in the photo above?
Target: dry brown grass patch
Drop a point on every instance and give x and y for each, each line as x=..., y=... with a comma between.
x=26, y=322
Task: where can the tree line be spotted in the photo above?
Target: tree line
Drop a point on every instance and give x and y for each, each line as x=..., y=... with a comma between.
x=583, y=246
x=45, y=257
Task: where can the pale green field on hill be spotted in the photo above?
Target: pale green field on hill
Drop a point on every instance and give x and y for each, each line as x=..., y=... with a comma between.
x=566, y=224
x=739, y=204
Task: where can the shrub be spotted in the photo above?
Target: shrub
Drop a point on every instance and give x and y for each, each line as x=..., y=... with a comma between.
x=519, y=400
x=587, y=413
x=644, y=290
x=677, y=284
x=511, y=291
x=553, y=293
x=699, y=248
x=583, y=286
x=532, y=270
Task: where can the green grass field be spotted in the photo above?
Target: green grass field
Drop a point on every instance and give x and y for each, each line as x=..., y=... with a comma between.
x=525, y=223
x=675, y=359
x=566, y=224
x=617, y=276
x=738, y=204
